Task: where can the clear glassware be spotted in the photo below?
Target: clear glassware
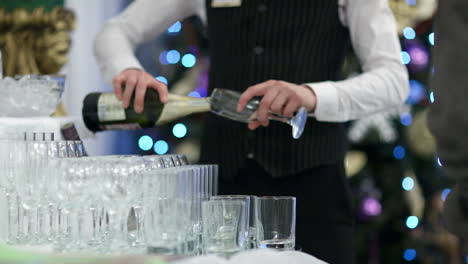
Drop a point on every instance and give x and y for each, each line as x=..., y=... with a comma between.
x=224, y=103
x=249, y=235
x=119, y=188
x=164, y=225
x=12, y=157
x=276, y=222
x=224, y=227
x=183, y=160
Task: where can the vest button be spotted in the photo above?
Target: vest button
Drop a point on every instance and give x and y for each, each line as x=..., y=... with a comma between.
x=262, y=8
x=258, y=50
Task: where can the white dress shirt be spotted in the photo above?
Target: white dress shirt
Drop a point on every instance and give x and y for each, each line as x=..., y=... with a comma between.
x=372, y=26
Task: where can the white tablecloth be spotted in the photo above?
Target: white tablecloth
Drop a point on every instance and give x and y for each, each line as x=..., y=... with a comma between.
x=259, y=256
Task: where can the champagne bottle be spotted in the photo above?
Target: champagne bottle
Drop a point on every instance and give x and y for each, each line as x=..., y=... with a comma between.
x=103, y=111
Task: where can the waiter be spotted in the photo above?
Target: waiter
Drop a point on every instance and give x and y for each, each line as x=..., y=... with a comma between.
x=290, y=52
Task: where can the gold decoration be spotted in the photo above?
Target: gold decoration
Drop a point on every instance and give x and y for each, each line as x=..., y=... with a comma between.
x=355, y=161
x=420, y=139
x=35, y=42
x=410, y=15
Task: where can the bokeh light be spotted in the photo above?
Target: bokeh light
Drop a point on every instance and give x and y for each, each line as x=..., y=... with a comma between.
x=409, y=33
x=189, y=60
x=419, y=56
x=173, y=56
x=407, y=183
x=432, y=97
x=145, y=143
x=179, y=130
x=162, y=79
x=175, y=28
x=412, y=222
x=406, y=119
x=417, y=92
x=163, y=58
x=431, y=38
x=410, y=254
x=371, y=207
x=161, y=147
x=405, y=57
x=439, y=162
x=445, y=193
x=399, y=152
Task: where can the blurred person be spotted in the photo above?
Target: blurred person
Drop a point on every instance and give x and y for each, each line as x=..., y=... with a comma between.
x=290, y=53
x=448, y=116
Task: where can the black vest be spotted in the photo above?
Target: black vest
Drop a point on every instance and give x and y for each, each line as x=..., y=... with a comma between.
x=298, y=41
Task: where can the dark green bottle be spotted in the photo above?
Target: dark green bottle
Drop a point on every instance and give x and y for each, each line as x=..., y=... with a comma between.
x=103, y=111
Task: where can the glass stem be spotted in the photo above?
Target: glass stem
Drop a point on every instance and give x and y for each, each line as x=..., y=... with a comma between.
x=139, y=214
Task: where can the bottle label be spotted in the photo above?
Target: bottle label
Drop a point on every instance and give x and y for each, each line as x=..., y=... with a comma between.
x=110, y=108
x=121, y=127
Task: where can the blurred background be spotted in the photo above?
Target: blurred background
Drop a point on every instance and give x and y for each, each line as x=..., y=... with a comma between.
x=396, y=177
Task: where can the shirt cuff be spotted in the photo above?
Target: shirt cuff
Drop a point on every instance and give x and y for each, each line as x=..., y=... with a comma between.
x=326, y=108
x=117, y=65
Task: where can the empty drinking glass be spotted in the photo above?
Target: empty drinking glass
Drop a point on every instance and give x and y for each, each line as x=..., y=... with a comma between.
x=276, y=222
x=224, y=227
x=246, y=213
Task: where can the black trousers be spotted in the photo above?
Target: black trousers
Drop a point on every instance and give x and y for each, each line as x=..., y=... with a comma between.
x=325, y=216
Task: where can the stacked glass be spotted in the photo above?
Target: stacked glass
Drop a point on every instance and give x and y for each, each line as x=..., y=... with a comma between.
x=25, y=204
x=53, y=196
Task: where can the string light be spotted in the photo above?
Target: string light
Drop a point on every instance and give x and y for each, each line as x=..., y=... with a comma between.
x=173, y=56
x=405, y=57
x=418, y=56
x=175, y=28
x=161, y=147
x=410, y=254
x=189, y=60
x=417, y=92
x=431, y=97
x=406, y=119
x=412, y=222
x=163, y=58
x=179, y=130
x=407, y=183
x=162, y=79
x=431, y=38
x=399, y=152
x=371, y=207
x=145, y=143
x=409, y=33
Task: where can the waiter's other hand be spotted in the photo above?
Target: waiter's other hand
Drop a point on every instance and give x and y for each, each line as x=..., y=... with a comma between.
x=278, y=97
x=137, y=81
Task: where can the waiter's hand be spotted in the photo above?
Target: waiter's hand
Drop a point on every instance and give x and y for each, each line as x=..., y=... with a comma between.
x=135, y=80
x=278, y=97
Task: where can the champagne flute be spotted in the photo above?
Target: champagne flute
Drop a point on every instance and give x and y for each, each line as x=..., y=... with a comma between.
x=224, y=103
